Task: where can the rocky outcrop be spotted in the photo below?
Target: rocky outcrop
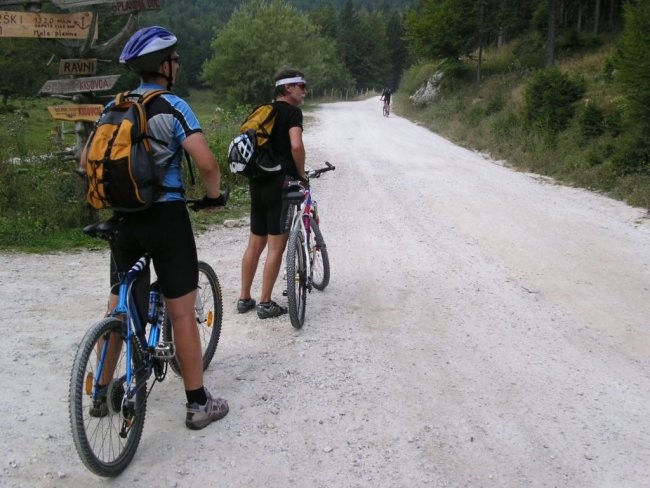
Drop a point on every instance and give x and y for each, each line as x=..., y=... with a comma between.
x=429, y=92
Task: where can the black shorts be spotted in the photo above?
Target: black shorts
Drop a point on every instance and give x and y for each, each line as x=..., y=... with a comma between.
x=165, y=232
x=268, y=208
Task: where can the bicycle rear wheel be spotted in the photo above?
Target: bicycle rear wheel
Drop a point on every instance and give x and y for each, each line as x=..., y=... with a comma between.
x=209, y=316
x=321, y=262
x=106, y=427
x=296, y=278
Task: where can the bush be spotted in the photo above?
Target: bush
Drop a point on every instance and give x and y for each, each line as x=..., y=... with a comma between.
x=592, y=121
x=633, y=62
x=505, y=125
x=632, y=153
x=549, y=100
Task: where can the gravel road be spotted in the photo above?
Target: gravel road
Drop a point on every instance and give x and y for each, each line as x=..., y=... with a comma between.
x=483, y=328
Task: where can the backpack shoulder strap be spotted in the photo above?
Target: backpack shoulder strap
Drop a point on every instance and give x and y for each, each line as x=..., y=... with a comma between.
x=150, y=95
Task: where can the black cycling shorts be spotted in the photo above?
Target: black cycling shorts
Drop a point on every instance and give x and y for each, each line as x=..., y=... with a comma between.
x=164, y=231
x=268, y=208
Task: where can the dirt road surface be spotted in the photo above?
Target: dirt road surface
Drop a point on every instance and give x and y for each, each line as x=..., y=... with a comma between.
x=483, y=328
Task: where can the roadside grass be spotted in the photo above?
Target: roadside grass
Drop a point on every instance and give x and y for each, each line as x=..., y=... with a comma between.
x=490, y=118
x=42, y=199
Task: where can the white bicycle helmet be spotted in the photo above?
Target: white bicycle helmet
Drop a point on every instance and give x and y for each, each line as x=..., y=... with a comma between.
x=241, y=152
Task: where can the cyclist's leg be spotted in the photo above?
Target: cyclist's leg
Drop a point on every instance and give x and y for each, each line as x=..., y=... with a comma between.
x=176, y=263
x=256, y=240
x=276, y=245
x=275, y=215
x=250, y=261
x=186, y=339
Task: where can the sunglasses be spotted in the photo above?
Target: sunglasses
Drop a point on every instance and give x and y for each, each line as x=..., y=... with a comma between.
x=302, y=85
x=176, y=59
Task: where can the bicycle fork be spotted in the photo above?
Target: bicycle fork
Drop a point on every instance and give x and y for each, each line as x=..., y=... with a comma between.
x=309, y=251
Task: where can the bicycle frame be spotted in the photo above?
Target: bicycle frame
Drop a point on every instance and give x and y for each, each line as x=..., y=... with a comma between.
x=302, y=218
x=126, y=309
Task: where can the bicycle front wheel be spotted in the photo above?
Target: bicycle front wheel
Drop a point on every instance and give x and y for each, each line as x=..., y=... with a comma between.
x=209, y=316
x=321, y=261
x=296, y=278
x=106, y=424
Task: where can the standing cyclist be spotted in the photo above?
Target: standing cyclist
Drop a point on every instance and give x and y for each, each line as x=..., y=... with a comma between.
x=164, y=230
x=269, y=224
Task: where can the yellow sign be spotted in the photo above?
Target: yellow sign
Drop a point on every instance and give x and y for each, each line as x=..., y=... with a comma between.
x=45, y=25
x=87, y=113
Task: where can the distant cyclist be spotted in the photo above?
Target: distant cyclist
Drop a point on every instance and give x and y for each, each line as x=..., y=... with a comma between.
x=385, y=96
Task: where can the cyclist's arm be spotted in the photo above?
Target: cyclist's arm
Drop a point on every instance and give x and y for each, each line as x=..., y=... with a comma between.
x=298, y=149
x=197, y=147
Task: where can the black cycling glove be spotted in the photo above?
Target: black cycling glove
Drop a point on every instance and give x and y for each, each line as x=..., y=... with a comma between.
x=207, y=202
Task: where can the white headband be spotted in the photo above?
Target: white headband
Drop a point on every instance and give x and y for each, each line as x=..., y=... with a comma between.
x=290, y=81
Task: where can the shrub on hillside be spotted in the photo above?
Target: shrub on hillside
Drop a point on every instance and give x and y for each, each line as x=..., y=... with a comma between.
x=592, y=121
x=632, y=153
x=549, y=99
x=633, y=62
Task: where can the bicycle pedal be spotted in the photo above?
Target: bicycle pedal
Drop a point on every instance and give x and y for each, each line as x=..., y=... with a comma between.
x=164, y=350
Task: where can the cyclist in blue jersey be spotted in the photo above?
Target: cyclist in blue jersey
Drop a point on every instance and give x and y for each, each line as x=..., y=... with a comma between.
x=164, y=230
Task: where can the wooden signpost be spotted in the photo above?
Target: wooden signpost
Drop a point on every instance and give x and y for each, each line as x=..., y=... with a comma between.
x=79, y=3
x=45, y=25
x=79, y=85
x=118, y=7
x=75, y=113
x=76, y=58
x=131, y=6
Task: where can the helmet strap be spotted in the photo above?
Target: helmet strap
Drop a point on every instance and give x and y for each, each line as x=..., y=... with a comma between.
x=170, y=80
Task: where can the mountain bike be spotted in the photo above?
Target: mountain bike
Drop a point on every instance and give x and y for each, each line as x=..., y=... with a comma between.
x=118, y=355
x=307, y=260
x=386, y=108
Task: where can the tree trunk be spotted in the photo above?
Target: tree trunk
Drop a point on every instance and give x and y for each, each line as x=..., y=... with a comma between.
x=550, y=41
x=596, y=16
x=481, y=41
x=613, y=4
x=579, y=20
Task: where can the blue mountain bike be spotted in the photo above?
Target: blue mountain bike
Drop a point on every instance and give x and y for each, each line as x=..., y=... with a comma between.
x=121, y=353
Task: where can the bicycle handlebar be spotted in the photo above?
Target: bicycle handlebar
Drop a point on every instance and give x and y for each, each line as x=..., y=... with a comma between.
x=315, y=173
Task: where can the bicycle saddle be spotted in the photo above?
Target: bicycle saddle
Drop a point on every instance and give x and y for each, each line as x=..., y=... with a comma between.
x=101, y=229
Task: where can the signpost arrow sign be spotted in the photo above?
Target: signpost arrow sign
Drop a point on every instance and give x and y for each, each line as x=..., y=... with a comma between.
x=48, y=26
x=79, y=85
x=71, y=112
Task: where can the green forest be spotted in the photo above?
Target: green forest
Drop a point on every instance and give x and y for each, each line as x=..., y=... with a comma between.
x=558, y=87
